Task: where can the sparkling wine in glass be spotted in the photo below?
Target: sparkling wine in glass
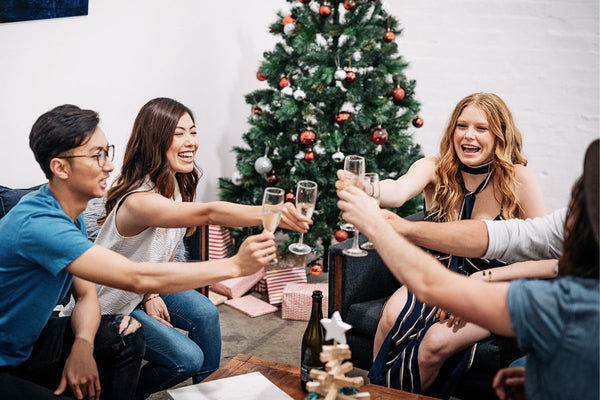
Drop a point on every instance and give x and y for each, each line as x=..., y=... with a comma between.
x=306, y=197
x=371, y=187
x=355, y=165
x=272, y=206
x=355, y=251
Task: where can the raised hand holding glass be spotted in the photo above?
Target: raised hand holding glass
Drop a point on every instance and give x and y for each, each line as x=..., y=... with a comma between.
x=371, y=182
x=306, y=197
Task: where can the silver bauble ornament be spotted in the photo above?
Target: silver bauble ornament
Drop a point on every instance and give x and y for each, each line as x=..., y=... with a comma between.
x=299, y=94
x=338, y=156
x=263, y=165
x=340, y=75
x=289, y=29
x=236, y=178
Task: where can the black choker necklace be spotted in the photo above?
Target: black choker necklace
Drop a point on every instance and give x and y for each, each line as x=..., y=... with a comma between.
x=478, y=169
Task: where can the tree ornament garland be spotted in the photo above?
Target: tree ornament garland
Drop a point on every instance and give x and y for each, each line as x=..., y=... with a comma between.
x=284, y=82
x=342, y=117
x=325, y=10
x=350, y=76
x=379, y=136
x=272, y=178
x=338, y=156
x=398, y=93
x=308, y=137
x=350, y=5
x=417, y=122
x=260, y=76
x=340, y=235
x=309, y=155
x=388, y=36
x=290, y=197
x=262, y=165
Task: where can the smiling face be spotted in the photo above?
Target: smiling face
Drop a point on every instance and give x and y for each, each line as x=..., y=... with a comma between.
x=182, y=150
x=87, y=177
x=473, y=141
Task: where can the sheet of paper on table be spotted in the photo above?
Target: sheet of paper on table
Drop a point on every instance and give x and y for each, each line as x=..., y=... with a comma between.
x=252, y=386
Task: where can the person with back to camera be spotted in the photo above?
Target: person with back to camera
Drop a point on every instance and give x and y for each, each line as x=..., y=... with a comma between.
x=556, y=322
x=44, y=250
x=149, y=208
x=481, y=174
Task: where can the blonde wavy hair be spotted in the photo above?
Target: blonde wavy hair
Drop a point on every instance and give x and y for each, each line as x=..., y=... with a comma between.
x=507, y=151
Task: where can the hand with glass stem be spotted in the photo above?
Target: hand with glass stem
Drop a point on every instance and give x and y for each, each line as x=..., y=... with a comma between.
x=306, y=197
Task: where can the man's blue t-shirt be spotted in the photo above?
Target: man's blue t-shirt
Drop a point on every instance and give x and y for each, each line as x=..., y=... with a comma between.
x=37, y=242
x=557, y=324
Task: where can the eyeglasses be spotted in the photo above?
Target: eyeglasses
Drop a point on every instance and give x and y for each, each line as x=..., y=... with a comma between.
x=101, y=157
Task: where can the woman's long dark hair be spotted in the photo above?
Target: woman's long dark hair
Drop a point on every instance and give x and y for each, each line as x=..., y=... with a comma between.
x=580, y=253
x=145, y=154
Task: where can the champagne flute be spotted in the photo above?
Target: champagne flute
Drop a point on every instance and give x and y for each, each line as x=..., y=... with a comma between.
x=272, y=205
x=306, y=197
x=371, y=182
x=356, y=165
x=355, y=251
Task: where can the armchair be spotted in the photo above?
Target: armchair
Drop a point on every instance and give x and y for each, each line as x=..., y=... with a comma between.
x=358, y=289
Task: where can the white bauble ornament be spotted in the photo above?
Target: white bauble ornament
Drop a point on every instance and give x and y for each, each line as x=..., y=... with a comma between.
x=263, y=165
x=289, y=28
x=236, y=178
x=299, y=94
x=287, y=90
x=340, y=74
x=338, y=156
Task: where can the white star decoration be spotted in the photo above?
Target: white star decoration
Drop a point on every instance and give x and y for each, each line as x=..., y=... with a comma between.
x=335, y=328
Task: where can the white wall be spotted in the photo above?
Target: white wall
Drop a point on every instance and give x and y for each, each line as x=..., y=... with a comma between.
x=541, y=56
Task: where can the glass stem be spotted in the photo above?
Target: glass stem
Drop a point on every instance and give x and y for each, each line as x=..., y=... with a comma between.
x=301, y=239
x=355, y=240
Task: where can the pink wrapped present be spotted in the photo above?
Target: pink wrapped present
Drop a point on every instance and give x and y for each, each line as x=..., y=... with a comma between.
x=261, y=286
x=236, y=287
x=297, y=300
x=219, y=242
x=251, y=306
x=278, y=278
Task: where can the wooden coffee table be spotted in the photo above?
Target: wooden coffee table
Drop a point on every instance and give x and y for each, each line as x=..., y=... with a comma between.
x=287, y=378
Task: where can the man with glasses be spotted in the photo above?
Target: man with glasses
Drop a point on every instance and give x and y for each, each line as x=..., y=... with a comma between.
x=44, y=251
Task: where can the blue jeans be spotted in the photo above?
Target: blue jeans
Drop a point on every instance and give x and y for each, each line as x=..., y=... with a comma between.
x=172, y=356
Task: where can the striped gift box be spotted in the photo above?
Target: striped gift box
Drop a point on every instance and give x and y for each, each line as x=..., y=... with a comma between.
x=278, y=278
x=261, y=286
x=219, y=242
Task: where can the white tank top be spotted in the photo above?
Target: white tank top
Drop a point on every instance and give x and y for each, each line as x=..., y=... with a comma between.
x=152, y=244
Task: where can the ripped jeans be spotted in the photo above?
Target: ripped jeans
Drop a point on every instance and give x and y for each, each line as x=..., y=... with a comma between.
x=118, y=358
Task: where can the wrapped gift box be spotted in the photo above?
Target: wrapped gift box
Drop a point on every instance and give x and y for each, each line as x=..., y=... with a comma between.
x=219, y=242
x=278, y=278
x=261, y=286
x=251, y=306
x=237, y=287
x=297, y=300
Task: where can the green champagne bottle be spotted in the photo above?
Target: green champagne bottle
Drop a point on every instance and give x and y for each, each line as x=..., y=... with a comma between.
x=312, y=341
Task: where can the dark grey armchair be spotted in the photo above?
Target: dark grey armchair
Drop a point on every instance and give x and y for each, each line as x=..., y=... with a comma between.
x=358, y=289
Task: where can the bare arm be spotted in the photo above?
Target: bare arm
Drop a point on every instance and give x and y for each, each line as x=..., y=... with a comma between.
x=542, y=269
x=106, y=267
x=480, y=302
x=144, y=209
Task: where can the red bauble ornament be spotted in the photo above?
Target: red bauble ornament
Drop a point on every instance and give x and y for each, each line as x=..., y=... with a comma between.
x=309, y=155
x=388, y=36
x=260, y=76
x=398, y=93
x=417, y=122
x=256, y=110
x=325, y=10
x=340, y=235
x=350, y=76
x=379, y=136
x=308, y=137
x=350, y=5
x=272, y=178
x=283, y=82
x=289, y=19
x=304, y=1
x=290, y=197
x=342, y=117
x=316, y=269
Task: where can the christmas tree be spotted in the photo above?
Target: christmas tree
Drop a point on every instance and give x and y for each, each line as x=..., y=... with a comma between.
x=334, y=86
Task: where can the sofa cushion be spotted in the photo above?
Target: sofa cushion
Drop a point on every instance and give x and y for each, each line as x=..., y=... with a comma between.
x=10, y=197
x=364, y=317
